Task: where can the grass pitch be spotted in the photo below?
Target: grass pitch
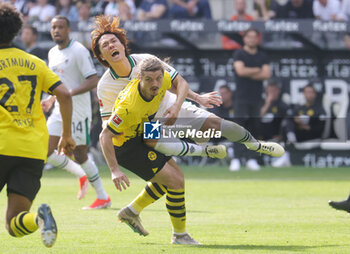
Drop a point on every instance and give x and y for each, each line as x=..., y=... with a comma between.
x=270, y=211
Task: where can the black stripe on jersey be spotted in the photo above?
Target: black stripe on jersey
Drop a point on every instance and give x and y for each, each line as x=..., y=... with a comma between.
x=113, y=131
x=175, y=200
x=172, y=78
x=175, y=193
x=110, y=73
x=150, y=192
x=170, y=207
x=54, y=86
x=151, y=117
x=178, y=215
x=157, y=187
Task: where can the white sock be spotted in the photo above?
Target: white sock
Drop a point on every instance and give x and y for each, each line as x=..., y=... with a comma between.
x=134, y=211
x=180, y=234
x=178, y=147
x=92, y=174
x=237, y=133
x=62, y=161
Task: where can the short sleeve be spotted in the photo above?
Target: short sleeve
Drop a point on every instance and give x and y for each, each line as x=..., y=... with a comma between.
x=50, y=79
x=119, y=121
x=106, y=102
x=238, y=56
x=171, y=70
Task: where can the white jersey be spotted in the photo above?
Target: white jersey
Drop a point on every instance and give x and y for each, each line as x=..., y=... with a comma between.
x=111, y=84
x=73, y=65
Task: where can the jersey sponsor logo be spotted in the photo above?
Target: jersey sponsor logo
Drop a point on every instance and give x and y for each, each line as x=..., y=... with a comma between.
x=117, y=120
x=152, y=155
x=100, y=102
x=151, y=130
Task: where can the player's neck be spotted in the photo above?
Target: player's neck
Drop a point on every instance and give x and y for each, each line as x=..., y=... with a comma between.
x=64, y=44
x=122, y=68
x=30, y=45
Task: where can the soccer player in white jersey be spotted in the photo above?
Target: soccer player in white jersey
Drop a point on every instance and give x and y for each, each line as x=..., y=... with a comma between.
x=109, y=45
x=71, y=61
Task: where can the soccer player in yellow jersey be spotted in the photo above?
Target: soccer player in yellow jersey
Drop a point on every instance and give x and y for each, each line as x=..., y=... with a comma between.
x=23, y=132
x=137, y=103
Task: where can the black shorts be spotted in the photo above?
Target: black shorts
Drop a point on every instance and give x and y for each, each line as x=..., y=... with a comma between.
x=21, y=175
x=142, y=160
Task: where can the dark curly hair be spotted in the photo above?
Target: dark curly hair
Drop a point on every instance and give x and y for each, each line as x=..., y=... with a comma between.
x=10, y=23
x=107, y=25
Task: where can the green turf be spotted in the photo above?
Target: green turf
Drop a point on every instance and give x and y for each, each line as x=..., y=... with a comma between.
x=270, y=211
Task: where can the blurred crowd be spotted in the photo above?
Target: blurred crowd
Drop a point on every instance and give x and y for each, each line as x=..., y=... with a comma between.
x=76, y=10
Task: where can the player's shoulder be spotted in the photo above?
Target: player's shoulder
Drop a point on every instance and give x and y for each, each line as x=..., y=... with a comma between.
x=238, y=52
x=106, y=78
x=77, y=47
x=53, y=49
x=139, y=57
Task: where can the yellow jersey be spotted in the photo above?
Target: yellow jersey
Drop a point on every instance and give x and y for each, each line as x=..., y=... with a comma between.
x=23, y=77
x=131, y=110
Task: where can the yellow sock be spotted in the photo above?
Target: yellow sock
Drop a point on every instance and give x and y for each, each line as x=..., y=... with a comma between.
x=148, y=195
x=175, y=203
x=24, y=224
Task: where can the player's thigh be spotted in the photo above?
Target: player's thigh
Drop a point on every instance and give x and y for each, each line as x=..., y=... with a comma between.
x=170, y=176
x=81, y=126
x=189, y=114
x=7, y=163
x=212, y=122
x=24, y=178
x=54, y=124
x=140, y=159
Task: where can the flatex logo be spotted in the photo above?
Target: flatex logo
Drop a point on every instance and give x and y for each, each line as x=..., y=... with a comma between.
x=151, y=130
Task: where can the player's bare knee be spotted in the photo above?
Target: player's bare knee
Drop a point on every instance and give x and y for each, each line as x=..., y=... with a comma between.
x=212, y=122
x=178, y=180
x=80, y=159
x=81, y=154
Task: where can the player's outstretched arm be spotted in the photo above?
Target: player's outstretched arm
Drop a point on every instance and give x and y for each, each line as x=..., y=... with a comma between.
x=207, y=100
x=66, y=143
x=118, y=177
x=88, y=84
